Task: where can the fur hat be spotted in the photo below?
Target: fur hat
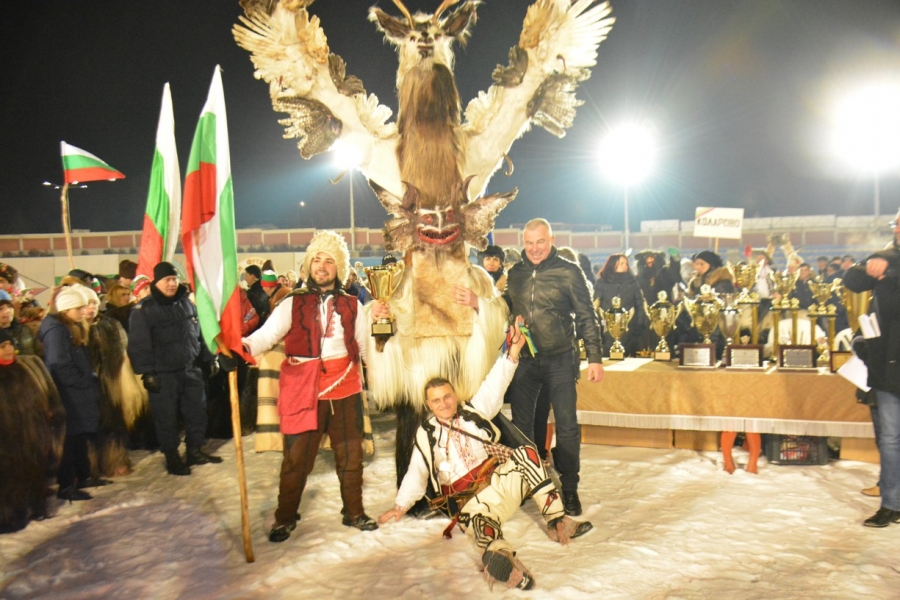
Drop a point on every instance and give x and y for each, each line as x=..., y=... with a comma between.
x=127, y=269
x=8, y=272
x=164, y=269
x=70, y=297
x=495, y=251
x=332, y=244
x=709, y=257
x=139, y=283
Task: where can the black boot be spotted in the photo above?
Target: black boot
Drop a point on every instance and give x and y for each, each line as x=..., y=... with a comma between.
x=174, y=464
x=196, y=456
x=72, y=494
x=571, y=503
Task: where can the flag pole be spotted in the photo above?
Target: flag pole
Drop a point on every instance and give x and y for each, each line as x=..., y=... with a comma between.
x=239, y=454
x=64, y=199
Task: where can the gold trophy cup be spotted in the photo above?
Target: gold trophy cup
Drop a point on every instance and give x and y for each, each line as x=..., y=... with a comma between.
x=382, y=282
x=822, y=292
x=662, y=317
x=704, y=311
x=745, y=278
x=730, y=317
x=617, y=319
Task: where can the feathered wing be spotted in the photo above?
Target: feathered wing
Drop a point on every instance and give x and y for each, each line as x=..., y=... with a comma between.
x=556, y=48
x=290, y=52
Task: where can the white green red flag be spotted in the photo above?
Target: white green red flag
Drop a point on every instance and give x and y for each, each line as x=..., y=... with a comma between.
x=207, y=226
x=160, y=232
x=80, y=166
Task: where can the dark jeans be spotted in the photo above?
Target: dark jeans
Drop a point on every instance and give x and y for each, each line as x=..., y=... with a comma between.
x=887, y=427
x=558, y=375
x=74, y=463
x=184, y=390
x=300, y=452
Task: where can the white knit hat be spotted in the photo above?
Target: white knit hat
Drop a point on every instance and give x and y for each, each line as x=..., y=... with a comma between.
x=89, y=294
x=69, y=298
x=332, y=244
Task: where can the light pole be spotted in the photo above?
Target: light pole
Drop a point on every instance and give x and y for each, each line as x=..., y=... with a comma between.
x=348, y=158
x=300, y=206
x=867, y=127
x=626, y=156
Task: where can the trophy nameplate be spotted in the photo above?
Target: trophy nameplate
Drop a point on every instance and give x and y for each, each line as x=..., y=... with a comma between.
x=797, y=358
x=664, y=356
x=697, y=356
x=749, y=357
x=838, y=358
x=383, y=328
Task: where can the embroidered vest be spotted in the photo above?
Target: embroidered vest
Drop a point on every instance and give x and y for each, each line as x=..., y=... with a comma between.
x=304, y=338
x=427, y=437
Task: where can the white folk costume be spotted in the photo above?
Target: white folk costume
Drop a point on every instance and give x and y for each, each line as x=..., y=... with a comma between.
x=453, y=455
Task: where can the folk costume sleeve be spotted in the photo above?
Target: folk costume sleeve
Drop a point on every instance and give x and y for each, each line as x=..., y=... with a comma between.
x=272, y=331
x=414, y=482
x=488, y=400
x=362, y=331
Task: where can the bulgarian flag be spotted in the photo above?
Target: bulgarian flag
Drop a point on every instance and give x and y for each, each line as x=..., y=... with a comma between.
x=79, y=166
x=207, y=226
x=160, y=234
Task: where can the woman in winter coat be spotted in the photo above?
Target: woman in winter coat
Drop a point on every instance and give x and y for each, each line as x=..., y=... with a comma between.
x=617, y=280
x=66, y=356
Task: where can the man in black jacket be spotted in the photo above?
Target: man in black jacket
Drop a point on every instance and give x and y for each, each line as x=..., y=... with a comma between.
x=553, y=296
x=255, y=292
x=881, y=353
x=164, y=344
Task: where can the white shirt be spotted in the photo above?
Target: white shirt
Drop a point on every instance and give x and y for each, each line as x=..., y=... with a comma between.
x=487, y=401
x=279, y=323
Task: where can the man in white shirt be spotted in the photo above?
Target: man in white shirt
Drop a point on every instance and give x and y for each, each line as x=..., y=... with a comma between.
x=453, y=448
x=325, y=335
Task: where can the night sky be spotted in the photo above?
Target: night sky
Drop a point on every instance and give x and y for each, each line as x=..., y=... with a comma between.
x=739, y=91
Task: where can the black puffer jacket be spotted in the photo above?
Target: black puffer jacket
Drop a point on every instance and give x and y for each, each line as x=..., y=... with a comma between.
x=548, y=295
x=882, y=354
x=164, y=333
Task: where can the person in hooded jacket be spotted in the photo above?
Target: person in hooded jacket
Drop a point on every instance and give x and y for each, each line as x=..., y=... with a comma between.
x=164, y=346
x=67, y=359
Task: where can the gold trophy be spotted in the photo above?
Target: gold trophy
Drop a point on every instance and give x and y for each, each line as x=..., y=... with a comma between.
x=704, y=311
x=382, y=282
x=784, y=285
x=617, y=319
x=729, y=317
x=662, y=317
x=856, y=303
x=745, y=278
x=822, y=293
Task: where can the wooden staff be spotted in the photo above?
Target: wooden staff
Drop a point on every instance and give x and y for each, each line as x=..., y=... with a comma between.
x=239, y=454
x=64, y=199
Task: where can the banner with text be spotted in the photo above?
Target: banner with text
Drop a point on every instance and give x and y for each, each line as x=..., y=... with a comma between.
x=718, y=222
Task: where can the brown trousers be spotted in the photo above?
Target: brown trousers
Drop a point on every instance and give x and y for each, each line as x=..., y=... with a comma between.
x=300, y=451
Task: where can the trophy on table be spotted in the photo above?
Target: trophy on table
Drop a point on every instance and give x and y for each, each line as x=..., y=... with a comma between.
x=617, y=319
x=790, y=356
x=382, y=282
x=704, y=311
x=822, y=292
x=662, y=315
x=856, y=303
x=745, y=278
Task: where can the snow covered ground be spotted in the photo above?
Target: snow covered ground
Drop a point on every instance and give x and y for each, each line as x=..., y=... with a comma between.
x=668, y=524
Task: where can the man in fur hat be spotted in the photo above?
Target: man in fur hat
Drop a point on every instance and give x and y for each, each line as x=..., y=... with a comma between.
x=452, y=450
x=164, y=345
x=325, y=337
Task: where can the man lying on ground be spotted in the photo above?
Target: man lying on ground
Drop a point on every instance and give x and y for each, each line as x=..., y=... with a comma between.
x=483, y=483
